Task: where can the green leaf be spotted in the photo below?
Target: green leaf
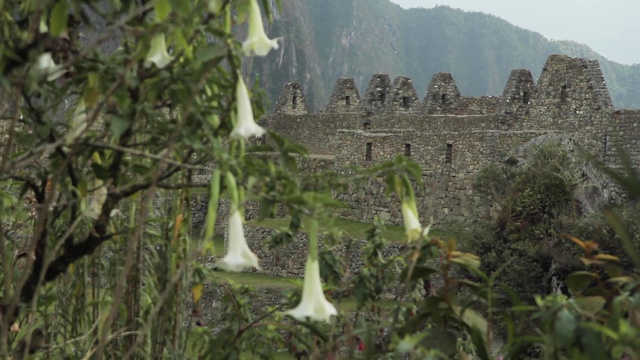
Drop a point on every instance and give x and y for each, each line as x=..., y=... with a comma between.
x=474, y=287
x=59, y=17
x=183, y=7
x=418, y=272
x=524, y=308
x=590, y=304
x=621, y=279
x=579, y=280
x=330, y=267
x=196, y=291
x=592, y=344
x=212, y=208
x=413, y=324
x=162, y=9
x=472, y=319
x=266, y=209
x=183, y=44
x=607, y=257
x=613, y=270
x=439, y=339
x=480, y=343
x=91, y=95
x=101, y=172
x=118, y=125
x=296, y=221
x=565, y=327
x=623, y=234
x=595, y=291
x=209, y=52
x=467, y=260
x=602, y=329
x=83, y=189
x=281, y=238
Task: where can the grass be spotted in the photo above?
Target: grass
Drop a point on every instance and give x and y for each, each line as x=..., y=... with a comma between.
x=355, y=229
x=261, y=280
x=344, y=305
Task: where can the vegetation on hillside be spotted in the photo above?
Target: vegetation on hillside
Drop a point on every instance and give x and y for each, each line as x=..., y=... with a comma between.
x=324, y=40
x=102, y=148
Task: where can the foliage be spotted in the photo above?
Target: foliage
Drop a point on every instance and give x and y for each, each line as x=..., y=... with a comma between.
x=536, y=208
x=107, y=134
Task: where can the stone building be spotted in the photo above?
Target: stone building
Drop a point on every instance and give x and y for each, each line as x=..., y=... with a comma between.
x=452, y=136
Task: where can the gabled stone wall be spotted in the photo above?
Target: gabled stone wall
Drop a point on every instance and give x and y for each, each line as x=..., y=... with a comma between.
x=292, y=101
x=345, y=97
x=517, y=94
x=571, y=96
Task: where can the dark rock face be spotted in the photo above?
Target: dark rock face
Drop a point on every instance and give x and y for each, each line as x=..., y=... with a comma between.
x=593, y=188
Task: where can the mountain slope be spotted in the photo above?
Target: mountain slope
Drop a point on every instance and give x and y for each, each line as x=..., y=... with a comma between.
x=327, y=39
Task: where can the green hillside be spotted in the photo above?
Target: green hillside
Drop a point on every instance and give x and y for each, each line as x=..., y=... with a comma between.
x=327, y=39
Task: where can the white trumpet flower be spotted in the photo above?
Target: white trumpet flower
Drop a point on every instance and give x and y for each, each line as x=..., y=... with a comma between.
x=246, y=126
x=46, y=66
x=98, y=199
x=158, y=52
x=78, y=123
x=257, y=41
x=215, y=6
x=313, y=304
x=412, y=226
x=238, y=256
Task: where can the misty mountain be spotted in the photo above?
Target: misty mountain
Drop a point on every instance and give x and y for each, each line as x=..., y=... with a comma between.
x=326, y=39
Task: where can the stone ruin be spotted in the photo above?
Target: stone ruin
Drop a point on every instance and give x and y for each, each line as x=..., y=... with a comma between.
x=452, y=136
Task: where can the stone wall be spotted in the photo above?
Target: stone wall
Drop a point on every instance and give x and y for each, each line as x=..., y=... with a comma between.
x=477, y=105
x=439, y=123
x=451, y=136
x=623, y=134
x=449, y=162
x=571, y=96
x=289, y=260
x=199, y=203
x=314, y=131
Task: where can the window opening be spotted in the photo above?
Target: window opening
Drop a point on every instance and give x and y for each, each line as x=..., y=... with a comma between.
x=563, y=94
x=526, y=97
x=347, y=101
x=444, y=99
x=407, y=150
x=405, y=101
x=367, y=154
x=448, y=159
x=294, y=101
x=382, y=97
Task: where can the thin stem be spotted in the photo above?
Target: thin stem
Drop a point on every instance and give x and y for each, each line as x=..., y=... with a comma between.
x=313, y=240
